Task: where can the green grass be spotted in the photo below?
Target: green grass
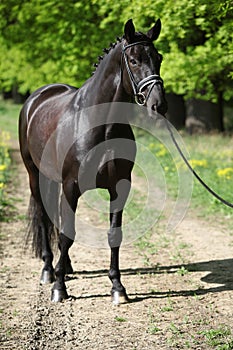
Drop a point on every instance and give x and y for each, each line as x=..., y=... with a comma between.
x=216, y=154
x=153, y=328
x=220, y=338
x=9, y=115
x=120, y=319
x=5, y=163
x=169, y=306
x=212, y=158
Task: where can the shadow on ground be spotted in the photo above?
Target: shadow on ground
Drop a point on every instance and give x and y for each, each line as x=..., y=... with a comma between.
x=218, y=272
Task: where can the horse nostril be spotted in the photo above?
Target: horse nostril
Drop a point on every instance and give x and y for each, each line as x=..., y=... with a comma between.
x=160, y=108
x=154, y=108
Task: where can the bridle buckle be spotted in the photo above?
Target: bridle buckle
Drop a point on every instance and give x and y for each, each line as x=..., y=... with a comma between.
x=140, y=99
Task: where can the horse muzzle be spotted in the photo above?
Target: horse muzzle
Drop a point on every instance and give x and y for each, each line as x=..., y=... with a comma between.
x=160, y=107
x=150, y=93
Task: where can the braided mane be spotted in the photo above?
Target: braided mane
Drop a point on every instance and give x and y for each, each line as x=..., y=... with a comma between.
x=106, y=52
x=138, y=37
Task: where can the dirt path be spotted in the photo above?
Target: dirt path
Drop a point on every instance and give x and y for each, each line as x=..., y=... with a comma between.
x=180, y=287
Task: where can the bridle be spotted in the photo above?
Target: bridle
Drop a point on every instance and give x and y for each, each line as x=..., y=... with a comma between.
x=138, y=87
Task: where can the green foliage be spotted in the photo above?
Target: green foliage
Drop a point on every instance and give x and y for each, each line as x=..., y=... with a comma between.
x=57, y=41
x=211, y=157
x=5, y=162
x=196, y=40
x=48, y=41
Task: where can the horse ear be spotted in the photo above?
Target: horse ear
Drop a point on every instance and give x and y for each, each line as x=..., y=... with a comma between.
x=129, y=31
x=154, y=32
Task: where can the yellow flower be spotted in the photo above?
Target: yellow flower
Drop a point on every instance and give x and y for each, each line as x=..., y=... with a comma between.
x=152, y=146
x=162, y=151
x=226, y=172
x=1, y=185
x=193, y=162
x=5, y=136
x=2, y=167
x=198, y=163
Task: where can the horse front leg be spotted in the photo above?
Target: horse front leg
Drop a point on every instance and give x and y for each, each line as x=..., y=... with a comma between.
x=118, y=292
x=66, y=238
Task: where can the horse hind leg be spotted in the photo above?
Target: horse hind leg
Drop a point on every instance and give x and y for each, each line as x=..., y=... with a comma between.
x=41, y=233
x=66, y=237
x=42, y=222
x=50, y=192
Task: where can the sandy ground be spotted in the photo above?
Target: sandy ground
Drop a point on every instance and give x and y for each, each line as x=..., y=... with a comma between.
x=180, y=288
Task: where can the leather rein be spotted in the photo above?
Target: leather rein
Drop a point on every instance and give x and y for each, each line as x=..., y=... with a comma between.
x=141, y=99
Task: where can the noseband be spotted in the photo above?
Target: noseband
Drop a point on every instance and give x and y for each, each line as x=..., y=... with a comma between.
x=152, y=80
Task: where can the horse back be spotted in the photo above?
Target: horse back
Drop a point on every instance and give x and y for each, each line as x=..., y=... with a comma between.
x=48, y=95
x=40, y=116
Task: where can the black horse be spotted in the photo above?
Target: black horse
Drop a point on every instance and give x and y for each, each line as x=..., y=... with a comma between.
x=130, y=68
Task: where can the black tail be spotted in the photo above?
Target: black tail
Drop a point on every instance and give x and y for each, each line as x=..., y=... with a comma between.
x=42, y=218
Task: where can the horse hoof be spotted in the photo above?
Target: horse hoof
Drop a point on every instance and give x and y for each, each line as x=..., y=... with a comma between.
x=47, y=277
x=119, y=298
x=58, y=295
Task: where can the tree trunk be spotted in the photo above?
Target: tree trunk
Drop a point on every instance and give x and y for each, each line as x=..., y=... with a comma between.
x=176, y=110
x=221, y=113
x=204, y=116
x=14, y=94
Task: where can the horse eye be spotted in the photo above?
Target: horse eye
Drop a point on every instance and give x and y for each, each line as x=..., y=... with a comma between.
x=133, y=62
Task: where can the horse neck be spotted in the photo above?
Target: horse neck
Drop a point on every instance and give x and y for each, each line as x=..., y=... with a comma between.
x=105, y=85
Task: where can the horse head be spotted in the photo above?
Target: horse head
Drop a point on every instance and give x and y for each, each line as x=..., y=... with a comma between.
x=141, y=71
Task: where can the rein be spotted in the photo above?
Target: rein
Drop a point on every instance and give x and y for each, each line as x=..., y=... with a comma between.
x=152, y=80
x=193, y=171
x=141, y=99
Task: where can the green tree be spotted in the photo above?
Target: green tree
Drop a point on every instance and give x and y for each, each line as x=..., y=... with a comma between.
x=196, y=41
x=45, y=41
